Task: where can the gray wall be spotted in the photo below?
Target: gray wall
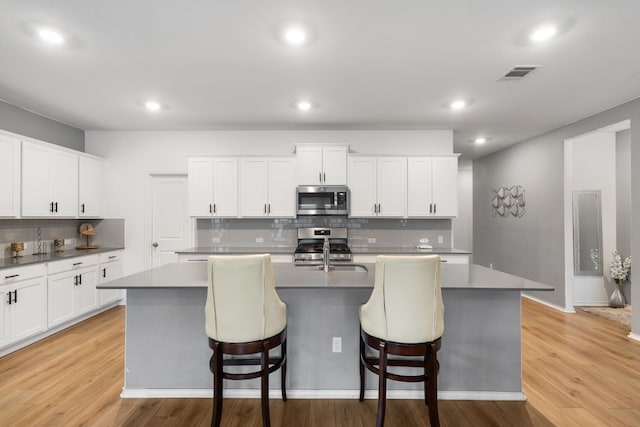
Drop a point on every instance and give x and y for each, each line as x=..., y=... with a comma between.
x=623, y=199
x=533, y=246
x=23, y=122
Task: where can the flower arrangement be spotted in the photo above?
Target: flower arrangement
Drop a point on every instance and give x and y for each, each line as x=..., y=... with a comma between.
x=619, y=269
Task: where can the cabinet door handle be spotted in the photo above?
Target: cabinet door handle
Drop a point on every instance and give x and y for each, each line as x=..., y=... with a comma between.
x=82, y=207
x=265, y=208
x=75, y=280
x=15, y=296
x=104, y=272
x=210, y=208
x=79, y=279
x=51, y=208
x=430, y=207
x=12, y=276
x=269, y=208
x=215, y=209
x=56, y=203
x=375, y=208
x=324, y=177
x=113, y=256
x=320, y=177
x=77, y=263
x=435, y=207
x=9, y=301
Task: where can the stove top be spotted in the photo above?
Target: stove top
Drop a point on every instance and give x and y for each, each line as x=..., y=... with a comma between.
x=311, y=241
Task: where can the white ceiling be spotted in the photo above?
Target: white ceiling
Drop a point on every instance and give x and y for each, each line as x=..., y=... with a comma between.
x=372, y=64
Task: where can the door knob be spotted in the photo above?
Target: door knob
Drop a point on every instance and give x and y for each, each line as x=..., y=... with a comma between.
x=154, y=244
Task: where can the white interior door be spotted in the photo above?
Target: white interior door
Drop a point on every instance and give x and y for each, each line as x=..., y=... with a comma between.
x=170, y=221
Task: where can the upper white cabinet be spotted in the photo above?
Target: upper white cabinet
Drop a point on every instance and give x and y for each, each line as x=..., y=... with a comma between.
x=90, y=186
x=322, y=164
x=49, y=181
x=10, y=176
x=432, y=187
x=267, y=187
x=378, y=186
x=213, y=186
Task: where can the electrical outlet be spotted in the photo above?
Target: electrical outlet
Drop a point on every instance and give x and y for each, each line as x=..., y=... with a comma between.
x=259, y=240
x=215, y=240
x=440, y=239
x=424, y=240
x=337, y=345
x=371, y=240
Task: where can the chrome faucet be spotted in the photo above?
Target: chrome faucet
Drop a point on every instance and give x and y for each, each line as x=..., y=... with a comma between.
x=325, y=255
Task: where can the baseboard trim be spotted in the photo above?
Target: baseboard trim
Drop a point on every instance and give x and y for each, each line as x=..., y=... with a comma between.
x=633, y=336
x=159, y=393
x=548, y=304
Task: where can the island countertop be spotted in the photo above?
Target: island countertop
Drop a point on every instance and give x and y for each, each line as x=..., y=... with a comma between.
x=287, y=275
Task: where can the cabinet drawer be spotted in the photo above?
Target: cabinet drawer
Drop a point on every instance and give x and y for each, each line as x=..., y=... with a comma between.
x=17, y=274
x=110, y=256
x=455, y=259
x=72, y=264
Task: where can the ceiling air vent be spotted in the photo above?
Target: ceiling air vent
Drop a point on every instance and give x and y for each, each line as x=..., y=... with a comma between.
x=519, y=72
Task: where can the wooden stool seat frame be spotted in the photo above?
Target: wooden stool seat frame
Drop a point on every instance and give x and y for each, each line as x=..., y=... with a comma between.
x=378, y=365
x=267, y=366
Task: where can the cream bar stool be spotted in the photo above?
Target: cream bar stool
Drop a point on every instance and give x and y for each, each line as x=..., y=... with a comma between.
x=244, y=315
x=405, y=317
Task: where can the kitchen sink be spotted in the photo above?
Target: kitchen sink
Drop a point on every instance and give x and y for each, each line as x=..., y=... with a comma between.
x=335, y=267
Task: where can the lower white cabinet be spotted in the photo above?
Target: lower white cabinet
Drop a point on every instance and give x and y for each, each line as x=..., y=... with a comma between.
x=23, y=303
x=71, y=287
x=110, y=268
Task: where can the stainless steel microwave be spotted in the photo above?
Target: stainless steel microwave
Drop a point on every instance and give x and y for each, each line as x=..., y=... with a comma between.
x=322, y=200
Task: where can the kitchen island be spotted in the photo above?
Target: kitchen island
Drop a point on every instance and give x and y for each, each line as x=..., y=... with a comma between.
x=167, y=353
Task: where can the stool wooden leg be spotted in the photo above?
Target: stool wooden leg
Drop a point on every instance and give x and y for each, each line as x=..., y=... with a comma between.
x=361, y=364
x=283, y=374
x=432, y=381
x=382, y=387
x=264, y=389
x=217, y=361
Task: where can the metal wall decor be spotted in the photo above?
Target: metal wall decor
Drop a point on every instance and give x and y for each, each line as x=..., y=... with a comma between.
x=508, y=201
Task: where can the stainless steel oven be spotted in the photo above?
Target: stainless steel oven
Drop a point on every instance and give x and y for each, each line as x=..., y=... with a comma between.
x=322, y=200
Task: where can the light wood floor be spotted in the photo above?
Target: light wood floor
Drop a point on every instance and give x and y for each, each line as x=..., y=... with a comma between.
x=578, y=370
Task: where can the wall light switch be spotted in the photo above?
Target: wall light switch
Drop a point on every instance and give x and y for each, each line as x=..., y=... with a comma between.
x=336, y=346
x=440, y=239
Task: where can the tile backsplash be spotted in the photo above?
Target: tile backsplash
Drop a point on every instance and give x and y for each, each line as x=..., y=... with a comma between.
x=109, y=233
x=283, y=232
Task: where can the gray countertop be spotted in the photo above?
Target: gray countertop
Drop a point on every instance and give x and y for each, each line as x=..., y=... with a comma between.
x=51, y=256
x=287, y=275
x=356, y=250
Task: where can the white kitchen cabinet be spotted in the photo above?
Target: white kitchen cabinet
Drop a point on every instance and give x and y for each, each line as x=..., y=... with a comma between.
x=267, y=187
x=378, y=186
x=22, y=303
x=10, y=176
x=49, y=181
x=71, y=287
x=322, y=164
x=213, y=186
x=432, y=187
x=89, y=186
x=110, y=268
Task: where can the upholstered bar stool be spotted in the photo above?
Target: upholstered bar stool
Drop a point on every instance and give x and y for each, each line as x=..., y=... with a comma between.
x=405, y=317
x=244, y=316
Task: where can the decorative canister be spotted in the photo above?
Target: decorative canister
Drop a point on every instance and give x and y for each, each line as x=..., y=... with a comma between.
x=58, y=244
x=17, y=248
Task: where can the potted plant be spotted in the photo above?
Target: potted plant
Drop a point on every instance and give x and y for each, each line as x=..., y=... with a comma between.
x=619, y=271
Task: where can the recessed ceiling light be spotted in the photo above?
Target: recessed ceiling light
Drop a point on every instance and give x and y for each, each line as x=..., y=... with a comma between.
x=458, y=104
x=304, y=105
x=295, y=35
x=480, y=140
x=542, y=34
x=50, y=36
x=152, y=105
